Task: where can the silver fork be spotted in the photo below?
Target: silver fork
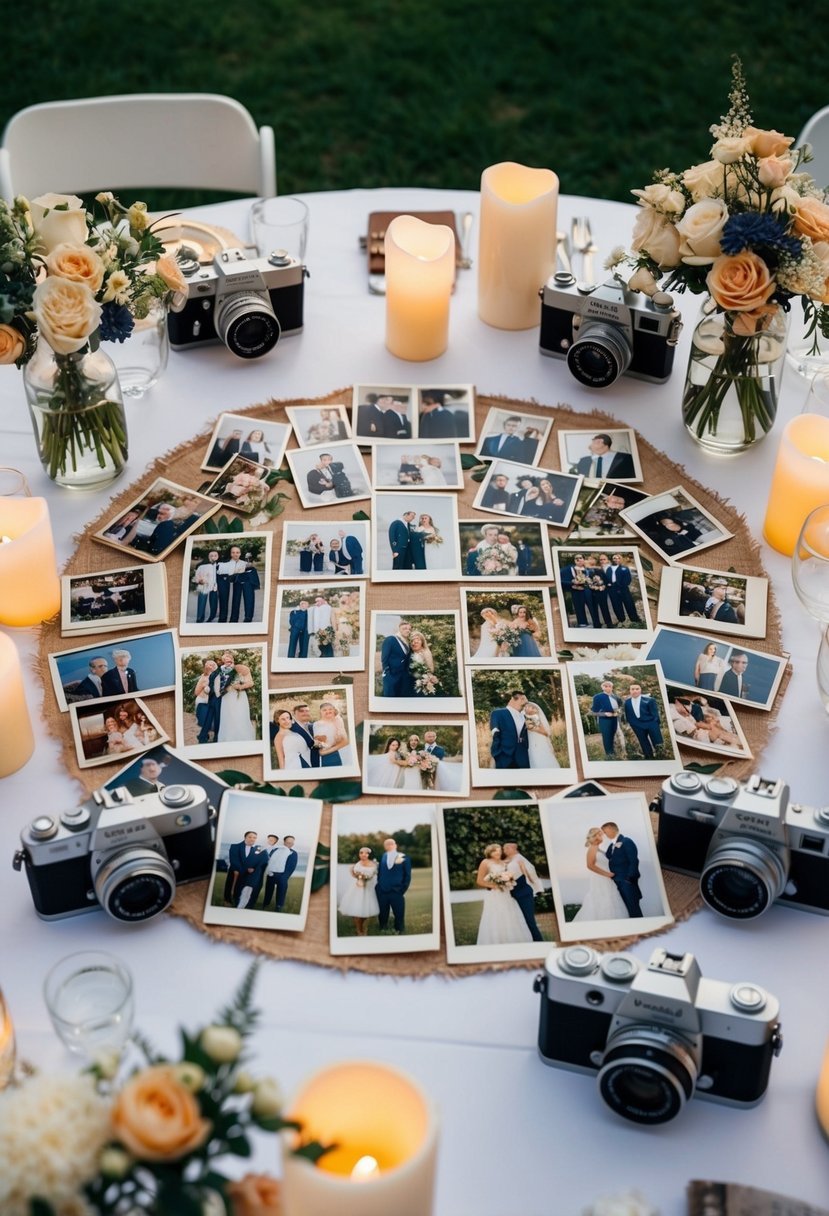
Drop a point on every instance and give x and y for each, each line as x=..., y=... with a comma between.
x=581, y=237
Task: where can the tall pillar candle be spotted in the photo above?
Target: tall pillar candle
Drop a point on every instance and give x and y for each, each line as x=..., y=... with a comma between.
x=386, y=1136
x=517, y=244
x=420, y=271
x=800, y=482
x=17, y=741
x=29, y=583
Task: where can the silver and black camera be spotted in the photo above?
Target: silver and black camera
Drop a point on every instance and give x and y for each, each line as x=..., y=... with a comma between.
x=656, y=1035
x=247, y=303
x=747, y=843
x=121, y=852
x=605, y=331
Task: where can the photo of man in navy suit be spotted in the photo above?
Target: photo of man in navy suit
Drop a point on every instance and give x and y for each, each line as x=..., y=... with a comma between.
x=603, y=462
x=509, y=443
x=400, y=543
x=394, y=874
x=352, y=551
x=298, y=636
x=642, y=715
x=623, y=860
x=717, y=607
x=510, y=747
x=243, y=865
x=395, y=656
x=619, y=578
x=92, y=685
x=605, y=708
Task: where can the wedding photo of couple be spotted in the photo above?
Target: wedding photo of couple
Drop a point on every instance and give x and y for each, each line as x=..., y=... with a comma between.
x=416, y=533
x=334, y=474
x=415, y=759
x=697, y=661
x=257, y=439
x=520, y=438
x=516, y=489
x=521, y=721
x=429, y=466
x=108, y=732
x=311, y=730
x=144, y=663
x=622, y=719
x=502, y=626
x=675, y=524
x=508, y=549
x=319, y=627
x=416, y=665
x=382, y=413
x=334, y=550
x=314, y=424
x=219, y=700
x=152, y=525
x=714, y=599
x=226, y=582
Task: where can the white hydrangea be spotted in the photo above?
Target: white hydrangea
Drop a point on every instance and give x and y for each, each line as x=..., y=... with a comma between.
x=621, y=651
x=52, y=1130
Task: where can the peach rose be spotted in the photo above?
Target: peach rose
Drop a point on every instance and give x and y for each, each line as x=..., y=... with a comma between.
x=78, y=263
x=747, y=324
x=774, y=171
x=156, y=1118
x=66, y=314
x=12, y=344
x=655, y=236
x=811, y=218
x=767, y=143
x=168, y=269
x=57, y=227
x=255, y=1195
x=700, y=230
x=741, y=283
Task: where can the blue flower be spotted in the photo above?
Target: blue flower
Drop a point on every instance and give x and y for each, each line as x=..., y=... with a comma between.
x=116, y=322
x=750, y=230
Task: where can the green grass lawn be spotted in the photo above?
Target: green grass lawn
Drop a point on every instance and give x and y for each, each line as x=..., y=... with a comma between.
x=419, y=910
x=293, y=900
x=467, y=917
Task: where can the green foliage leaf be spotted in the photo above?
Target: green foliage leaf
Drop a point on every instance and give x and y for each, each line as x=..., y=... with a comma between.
x=360, y=515
x=703, y=768
x=296, y=791
x=358, y=732
x=321, y=875
x=266, y=788
x=191, y=1050
x=313, y=1150
x=39, y=1207
x=565, y=654
x=481, y=473
x=232, y=776
x=647, y=564
x=239, y=1145
x=468, y=461
x=512, y=796
x=338, y=791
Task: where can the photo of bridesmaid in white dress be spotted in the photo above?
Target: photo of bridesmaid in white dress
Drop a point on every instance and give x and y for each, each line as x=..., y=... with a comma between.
x=415, y=760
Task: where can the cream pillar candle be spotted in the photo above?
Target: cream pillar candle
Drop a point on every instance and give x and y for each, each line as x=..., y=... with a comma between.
x=420, y=271
x=822, y=1096
x=800, y=482
x=386, y=1134
x=517, y=244
x=17, y=741
x=29, y=583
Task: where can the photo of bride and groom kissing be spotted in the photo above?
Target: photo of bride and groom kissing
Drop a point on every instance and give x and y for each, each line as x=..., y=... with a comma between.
x=521, y=726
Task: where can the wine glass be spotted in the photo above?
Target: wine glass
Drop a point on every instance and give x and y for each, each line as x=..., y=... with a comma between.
x=810, y=575
x=89, y=999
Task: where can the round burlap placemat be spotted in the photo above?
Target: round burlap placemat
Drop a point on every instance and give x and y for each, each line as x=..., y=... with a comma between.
x=182, y=465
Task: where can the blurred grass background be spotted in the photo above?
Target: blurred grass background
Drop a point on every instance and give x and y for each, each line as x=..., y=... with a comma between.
x=416, y=92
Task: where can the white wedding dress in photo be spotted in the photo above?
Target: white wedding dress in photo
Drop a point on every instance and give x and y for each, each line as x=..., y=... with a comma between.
x=488, y=645
x=383, y=773
x=235, y=725
x=602, y=900
x=540, y=746
x=296, y=750
x=359, y=898
x=411, y=779
x=448, y=777
x=502, y=922
x=430, y=475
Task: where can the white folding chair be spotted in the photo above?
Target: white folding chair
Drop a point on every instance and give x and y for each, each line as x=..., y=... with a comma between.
x=173, y=140
x=816, y=133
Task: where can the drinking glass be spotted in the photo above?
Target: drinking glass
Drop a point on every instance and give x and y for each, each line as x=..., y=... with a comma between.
x=90, y=1001
x=142, y=358
x=13, y=483
x=280, y=223
x=810, y=564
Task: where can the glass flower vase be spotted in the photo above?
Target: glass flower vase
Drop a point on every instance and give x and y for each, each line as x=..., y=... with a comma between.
x=77, y=411
x=732, y=384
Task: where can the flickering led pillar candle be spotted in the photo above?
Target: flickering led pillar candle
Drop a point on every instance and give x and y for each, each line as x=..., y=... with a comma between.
x=822, y=1096
x=800, y=482
x=386, y=1133
x=17, y=741
x=8, y=1055
x=420, y=271
x=29, y=583
x=517, y=244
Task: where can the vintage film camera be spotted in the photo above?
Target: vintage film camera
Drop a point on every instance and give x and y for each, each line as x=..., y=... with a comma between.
x=656, y=1035
x=121, y=852
x=607, y=330
x=747, y=843
x=247, y=303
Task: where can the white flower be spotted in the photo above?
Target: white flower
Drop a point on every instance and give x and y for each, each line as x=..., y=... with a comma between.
x=620, y=651
x=668, y=201
x=705, y=180
x=104, y=196
x=222, y=1043
x=192, y=1076
x=267, y=1099
x=654, y=235
x=700, y=229
x=617, y=254
x=54, y=227
x=642, y=280
x=245, y=1082
x=66, y=314
x=117, y=288
x=730, y=148
x=137, y=217
x=114, y=1162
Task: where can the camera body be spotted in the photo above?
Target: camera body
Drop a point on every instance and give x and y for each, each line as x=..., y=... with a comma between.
x=121, y=852
x=748, y=844
x=656, y=1035
x=607, y=330
x=247, y=303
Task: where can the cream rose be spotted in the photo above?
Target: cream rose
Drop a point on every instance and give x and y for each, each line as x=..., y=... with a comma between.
x=773, y=171
x=767, y=143
x=662, y=197
x=12, y=344
x=156, y=1118
x=58, y=227
x=657, y=237
x=267, y=1099
x=811, y=218
x=642, y=280
x=168, y=269
x=700, y=230
x=78, y=263
x=66, y=314
x=221, y=1043
x=740, y=283
x=730, y=149
x=137, y=217
x=704, y=180
x=255, y=1195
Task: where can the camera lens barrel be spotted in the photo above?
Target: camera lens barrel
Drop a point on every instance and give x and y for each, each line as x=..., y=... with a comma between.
x=647, y=1074
x=247, y=324
x=742, y=878
x=135, y=885
x=599, y=355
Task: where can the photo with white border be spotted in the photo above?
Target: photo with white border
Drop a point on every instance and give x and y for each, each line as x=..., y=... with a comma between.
x=520, y=726
x=337, y=548
x=226, y=584
x=415, y=666
x=675, y=525
x=328, y=475
x=311, y=733
x=407, y=758
x=507, y=625
x=415, y=537
x=319, y=627
x=718, y=600
x=601, y=599
x=519, y=491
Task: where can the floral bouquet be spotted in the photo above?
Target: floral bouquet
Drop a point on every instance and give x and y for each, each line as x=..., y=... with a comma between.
x=501, y=880
x=496, y=559
x=425, y=681
x=428, y=765
x=325, y=637
x=248, y=490
x=507, y=636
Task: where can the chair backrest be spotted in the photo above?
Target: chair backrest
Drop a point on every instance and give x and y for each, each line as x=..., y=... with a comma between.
x=185, y=140
x=816, y=133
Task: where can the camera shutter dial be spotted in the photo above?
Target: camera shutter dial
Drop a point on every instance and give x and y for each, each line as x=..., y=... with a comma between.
x=578, y=960
x=43, y=827
x=748, y=998
x=176, y=795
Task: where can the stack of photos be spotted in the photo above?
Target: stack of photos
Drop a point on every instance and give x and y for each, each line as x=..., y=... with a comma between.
x=157, y=521
x=696, y=661
x=597, y=515
x=415, y=759
x=145, y=663
x=225, y=584
x=706, y=722
x=103, y=601
x=675, y=524
x=601, y=455
x=415, y=666
x=400, y=413
x=384, y=880
x=520, y=726
x=513, y=436
x=219, y=700
x=601, y=594
x=416, y=533
x=339, y=549
x=243, y=485
x=622, y=720
x=432, y=465
x=311, y=734
x=509, y=549
x=330, y=473
x=521, y=490
x=256, y=439
x=108, y=730
x=317, y=424
x=722, y=601
x=319, y=627
x=504, y=624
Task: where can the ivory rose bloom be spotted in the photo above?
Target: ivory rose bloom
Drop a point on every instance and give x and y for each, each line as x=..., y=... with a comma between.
x=811, y=218
x=169, y=270
x=700, y=230
x=78, y=263
x=662, y=197
x=222, y=1043
x=767, y=143
x=66, y=314
x=267, y=1099
x=12, y=345
x=730, y=148
x=156, y=1118
x=740, y=283
x=657, y=237
x=774, y=170
x=704, y=180
x=56, y=227
x=255, y=1195
x=137, y=217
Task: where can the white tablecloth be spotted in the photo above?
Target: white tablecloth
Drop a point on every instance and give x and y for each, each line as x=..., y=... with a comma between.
x=516, y=1136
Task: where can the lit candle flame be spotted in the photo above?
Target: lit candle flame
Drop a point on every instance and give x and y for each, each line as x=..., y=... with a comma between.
x=365, y=1169
x=5, y=540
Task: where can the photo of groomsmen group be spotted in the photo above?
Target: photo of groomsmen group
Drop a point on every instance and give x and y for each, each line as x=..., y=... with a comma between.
x=601, y=591
x=226, y=583
x=622, y=718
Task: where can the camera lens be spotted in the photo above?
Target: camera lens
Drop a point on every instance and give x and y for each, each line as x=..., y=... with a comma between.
x=742, y=878
x=247, y=324
x=647, y=1074
x=599, y=355
x=135, y=885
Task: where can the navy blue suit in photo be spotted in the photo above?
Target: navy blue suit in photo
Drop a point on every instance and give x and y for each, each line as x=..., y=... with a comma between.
x=508, y=447
x=437, y=424
x=245, y=586
x=305, y=559
x=392, y=884
x=524, y=896
x=722, y=612
x=525, y=559
x=241, y=856
x=112, y=685
x=580, y=595
x=417, y=549
x=509, y=748
x=279, y=881
x=646, y=726
x=212, y=714
x=697, y=712
x=87, y=688
x=730, y=685
x=435, y=750
x=298, y=633
x=354, y=553
x=399, y=542
x=603, y=703
x=623, y=860
x=495, y=498
x=394, y=662
x=307, y=734
x=611, y=464
x=618, y=581
x=472, y=563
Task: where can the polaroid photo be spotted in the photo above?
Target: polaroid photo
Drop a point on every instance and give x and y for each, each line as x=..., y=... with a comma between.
x=415, y=538
x=707, y=723
x=226, y=584
x=316, y=424
x=509, y=549
x=446, y=413
x=265, y=851
x=520, y=726
x=103, y=601
x=311, y=732
x=415, y=667
x=705, y=664
x=108, y=732
x=145, y=664
x=332, y=474
x=158, y=520
x=606, y=877
x=597, y=514
x=382, y=411
x=495, y=875
x=162, y=766
x=507, y=625
x=242, y=485
x=674, y=524
x=337, y=549
x=601, y=594
x=403, y=758
x=582, y=789
x=319, y=627
x=520, y=490
x=219, y=700
x=611, y=455
x=717, y=600
x=384, y=879
x=423, y=465
x=514, y=435
x=257, y=439
x=622, y=719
